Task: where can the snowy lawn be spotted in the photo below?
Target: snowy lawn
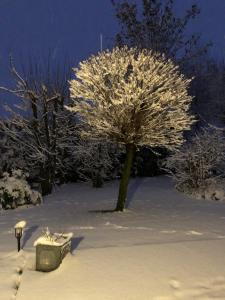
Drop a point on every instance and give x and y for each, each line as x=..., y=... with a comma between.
x=165, y=246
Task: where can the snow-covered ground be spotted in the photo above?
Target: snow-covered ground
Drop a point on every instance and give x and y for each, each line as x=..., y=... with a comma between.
x=165, y=246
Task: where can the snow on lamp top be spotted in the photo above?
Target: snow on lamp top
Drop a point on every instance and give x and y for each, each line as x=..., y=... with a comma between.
x=20, y=224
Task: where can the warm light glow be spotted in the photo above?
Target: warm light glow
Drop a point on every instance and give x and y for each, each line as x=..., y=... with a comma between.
x=18, y=232
x=137, y=97
x=46, y=258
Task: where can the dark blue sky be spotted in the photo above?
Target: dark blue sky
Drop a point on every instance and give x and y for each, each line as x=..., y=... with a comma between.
x=73, y=27
x=69, y=27
x=210, y=23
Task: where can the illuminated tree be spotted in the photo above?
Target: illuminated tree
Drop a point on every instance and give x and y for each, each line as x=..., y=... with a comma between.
x=134, y=97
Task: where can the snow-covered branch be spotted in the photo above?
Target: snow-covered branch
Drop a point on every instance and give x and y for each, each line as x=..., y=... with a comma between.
x=199, y=162
x=132, y=97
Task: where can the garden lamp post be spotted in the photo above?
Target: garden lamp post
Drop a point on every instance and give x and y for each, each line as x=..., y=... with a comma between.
x=19, y=232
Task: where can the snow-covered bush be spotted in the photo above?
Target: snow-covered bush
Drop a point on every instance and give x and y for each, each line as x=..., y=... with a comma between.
x=212, y=189
x=97, y=161
x=15, y=191
x=198, y=166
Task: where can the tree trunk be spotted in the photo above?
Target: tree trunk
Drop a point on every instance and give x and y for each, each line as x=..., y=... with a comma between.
x=97, y=181
x=46, y=183
x=46, y=187
x=130, y=151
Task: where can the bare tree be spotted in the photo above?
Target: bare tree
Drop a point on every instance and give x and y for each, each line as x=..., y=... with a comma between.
x=97, y=161
x=10, y=156
x=39, y=125
x=153, y=24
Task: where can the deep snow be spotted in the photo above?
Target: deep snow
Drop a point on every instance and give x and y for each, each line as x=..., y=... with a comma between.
x=165, y=246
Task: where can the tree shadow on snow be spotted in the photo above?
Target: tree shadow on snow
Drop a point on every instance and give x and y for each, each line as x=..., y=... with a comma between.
x=102, y=211
x=27, y=234
x=132, y=189
x=75, y=243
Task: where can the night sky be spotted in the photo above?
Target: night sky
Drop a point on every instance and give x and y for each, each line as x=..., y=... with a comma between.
x=72, y=28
